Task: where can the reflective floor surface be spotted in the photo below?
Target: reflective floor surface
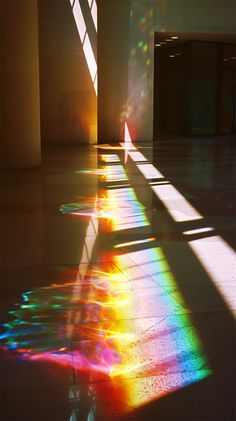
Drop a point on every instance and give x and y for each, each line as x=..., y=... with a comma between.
x=118, y=284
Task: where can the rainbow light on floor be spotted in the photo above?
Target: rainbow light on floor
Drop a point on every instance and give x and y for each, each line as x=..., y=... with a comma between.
x=109, y=157
x=115, y=173
x=109, y=173
x=39, y=328
x=106, y=334
x=111, y=331
x=127, y=211
x=165, y=340
x=129, y=322
x=120, y=207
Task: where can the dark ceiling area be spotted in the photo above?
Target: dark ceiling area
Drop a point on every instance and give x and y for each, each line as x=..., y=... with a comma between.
x=172, y=39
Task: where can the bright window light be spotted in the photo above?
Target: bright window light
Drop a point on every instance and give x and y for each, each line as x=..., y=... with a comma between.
x=178, y=207
x=79, y=19
x=134, y=243
x=127, y=134
x=95, y=84
x=127, y=141
x=149, y=171
x=94, y=14
x=137, y=156
x=110, y=158
x=219, y=261
x=92, y=65
x=198, y=231
x=115, y=173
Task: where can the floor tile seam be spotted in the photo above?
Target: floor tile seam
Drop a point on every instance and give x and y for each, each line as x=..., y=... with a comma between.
x=108, y=380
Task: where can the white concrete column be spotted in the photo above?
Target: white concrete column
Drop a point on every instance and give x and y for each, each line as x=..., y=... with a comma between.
x=113, y=49
x=125, y=69
x=139, y=106
x=20, y=131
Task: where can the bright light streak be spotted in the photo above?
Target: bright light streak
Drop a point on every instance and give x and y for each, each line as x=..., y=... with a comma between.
x=92, y=65
x=198, y=231
x=132, y=243
x=110, y=158
x=180, y=349
x=39, y=328
x=79, y=19
x=150, y=262
x=130, y=222
x=178, y=207
x=126, y=211
x=119, y=207
x=95, y=84
x=94, y=14
x=137, y=156
x=127, y=137
x=149, y=171
x=81, y=26
x=127, y=193
x=127, y=141
x=90, y=2
x=128, y=147
x=219, y=261
x=115, y=173
x=122, y=147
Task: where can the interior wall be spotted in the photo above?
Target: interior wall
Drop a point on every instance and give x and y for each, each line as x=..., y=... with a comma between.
x=206, y=16
x=140, y=70
x=113, y=49
x=20, y=114
x=68, y=99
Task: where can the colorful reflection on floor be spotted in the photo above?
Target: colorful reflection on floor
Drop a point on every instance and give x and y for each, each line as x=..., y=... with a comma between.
x=119, y=209
x=92, y=326
x=120, y=322
x=40, y=329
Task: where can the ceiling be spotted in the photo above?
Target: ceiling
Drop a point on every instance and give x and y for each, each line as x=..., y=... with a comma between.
x=171, y=39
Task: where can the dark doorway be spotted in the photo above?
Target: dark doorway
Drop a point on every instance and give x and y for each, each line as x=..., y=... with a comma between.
x=195, y=86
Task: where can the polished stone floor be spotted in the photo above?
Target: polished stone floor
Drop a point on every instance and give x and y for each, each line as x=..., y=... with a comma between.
x=118, y=284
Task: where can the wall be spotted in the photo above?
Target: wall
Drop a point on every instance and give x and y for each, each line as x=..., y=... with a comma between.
x=68, y=99
x=113, y=48
x=20, y=117
x=205, y=16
